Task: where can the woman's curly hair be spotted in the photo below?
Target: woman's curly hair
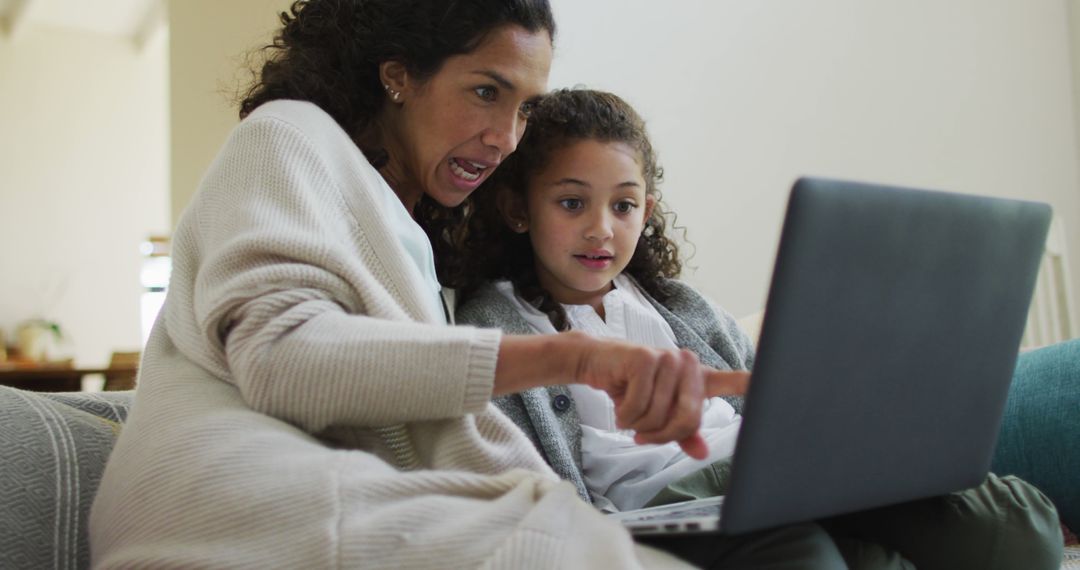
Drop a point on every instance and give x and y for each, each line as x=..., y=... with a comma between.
x=328, y=52
x=487, y=249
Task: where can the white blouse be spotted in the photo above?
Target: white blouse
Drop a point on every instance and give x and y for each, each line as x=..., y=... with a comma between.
x=416, y=243
x=614, y=466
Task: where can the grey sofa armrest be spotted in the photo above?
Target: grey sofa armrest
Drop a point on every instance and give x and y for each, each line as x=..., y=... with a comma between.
x=53, y=449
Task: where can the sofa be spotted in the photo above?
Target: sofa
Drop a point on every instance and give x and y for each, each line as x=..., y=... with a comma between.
x=53, y=449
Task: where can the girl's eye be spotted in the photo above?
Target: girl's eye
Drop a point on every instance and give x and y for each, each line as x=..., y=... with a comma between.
x=487, y=93
x=527, y=109
x=571, y=203
x=625, y=207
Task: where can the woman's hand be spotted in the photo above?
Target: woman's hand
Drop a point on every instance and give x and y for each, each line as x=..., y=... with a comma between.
x=657, y=393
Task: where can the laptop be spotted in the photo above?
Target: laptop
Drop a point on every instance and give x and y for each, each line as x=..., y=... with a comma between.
x=889, y=340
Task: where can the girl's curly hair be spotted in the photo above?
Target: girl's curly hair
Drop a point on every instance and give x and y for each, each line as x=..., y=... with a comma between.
x=486, y=249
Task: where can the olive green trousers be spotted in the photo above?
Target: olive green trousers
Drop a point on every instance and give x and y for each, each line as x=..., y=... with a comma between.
x=1002, y=524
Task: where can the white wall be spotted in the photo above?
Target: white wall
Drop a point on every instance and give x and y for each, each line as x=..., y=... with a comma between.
x=744, y=96
x=83, y=180
x=209, y=44
x=1074, y=52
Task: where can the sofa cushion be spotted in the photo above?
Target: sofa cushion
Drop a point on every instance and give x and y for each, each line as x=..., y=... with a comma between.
x=1041, y=428
x=54, y=448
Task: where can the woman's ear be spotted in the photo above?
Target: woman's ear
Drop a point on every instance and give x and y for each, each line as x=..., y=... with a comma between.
x=395, y=80
x=513, y=210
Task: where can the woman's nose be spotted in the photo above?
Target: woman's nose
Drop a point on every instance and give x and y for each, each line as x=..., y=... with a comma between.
x=504, y=134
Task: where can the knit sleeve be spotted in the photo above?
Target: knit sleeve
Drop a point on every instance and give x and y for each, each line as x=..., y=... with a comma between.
x=733, y=337
x=297, y=290
x=714, y=325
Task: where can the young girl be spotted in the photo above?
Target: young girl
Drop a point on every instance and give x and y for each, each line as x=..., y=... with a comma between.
x=570, y=234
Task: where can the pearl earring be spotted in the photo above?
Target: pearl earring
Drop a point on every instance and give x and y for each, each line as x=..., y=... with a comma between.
x=393, y=94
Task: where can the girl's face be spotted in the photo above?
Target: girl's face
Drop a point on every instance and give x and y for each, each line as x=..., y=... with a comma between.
x=586, y=210
x=448, y=133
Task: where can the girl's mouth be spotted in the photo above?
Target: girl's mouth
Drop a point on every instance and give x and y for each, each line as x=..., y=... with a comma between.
x=595, y=261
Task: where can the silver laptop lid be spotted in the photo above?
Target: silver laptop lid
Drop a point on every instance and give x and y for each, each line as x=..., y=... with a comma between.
x=889, y=340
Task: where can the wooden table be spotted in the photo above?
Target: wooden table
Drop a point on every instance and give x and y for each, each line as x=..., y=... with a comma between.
x=61, y=377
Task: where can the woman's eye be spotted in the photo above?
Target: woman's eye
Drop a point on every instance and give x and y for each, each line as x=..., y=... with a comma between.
x=527, y=109
x=571, y=203
x=625, y=207
x=487, y=93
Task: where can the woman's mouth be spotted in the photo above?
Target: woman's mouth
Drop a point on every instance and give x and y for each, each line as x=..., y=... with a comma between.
x=467, y=170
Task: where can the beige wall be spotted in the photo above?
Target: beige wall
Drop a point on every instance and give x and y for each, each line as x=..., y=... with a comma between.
x=743, y=97
x=971, y=95
x=209, y=44
x=83, y=180
x=1074, y=57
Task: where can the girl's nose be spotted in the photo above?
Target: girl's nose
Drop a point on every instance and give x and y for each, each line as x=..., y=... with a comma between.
x=599, y=227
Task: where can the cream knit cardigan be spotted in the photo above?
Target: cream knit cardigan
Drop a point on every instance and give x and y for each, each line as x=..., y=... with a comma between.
x=297, y=406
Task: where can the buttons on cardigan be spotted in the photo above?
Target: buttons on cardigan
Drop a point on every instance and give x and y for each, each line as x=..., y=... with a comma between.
x=561, y=403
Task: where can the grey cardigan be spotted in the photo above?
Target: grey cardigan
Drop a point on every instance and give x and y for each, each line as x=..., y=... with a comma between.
x=548, y=415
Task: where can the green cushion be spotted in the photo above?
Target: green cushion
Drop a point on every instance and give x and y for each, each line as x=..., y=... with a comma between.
x=1040, y=433
x=54, y=448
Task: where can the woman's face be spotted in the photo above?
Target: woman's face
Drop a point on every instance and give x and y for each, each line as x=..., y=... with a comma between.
x=448, y=133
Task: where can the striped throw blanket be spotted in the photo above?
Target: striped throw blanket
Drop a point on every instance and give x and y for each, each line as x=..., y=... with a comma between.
x=53, y=449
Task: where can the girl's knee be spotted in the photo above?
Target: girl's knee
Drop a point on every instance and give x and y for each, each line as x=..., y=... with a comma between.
x=1015, y=519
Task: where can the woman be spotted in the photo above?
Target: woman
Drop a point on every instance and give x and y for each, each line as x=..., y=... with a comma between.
x=301, y=402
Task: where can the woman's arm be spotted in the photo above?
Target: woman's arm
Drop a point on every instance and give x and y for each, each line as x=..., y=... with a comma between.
x=289, y=284
x=657, y=393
